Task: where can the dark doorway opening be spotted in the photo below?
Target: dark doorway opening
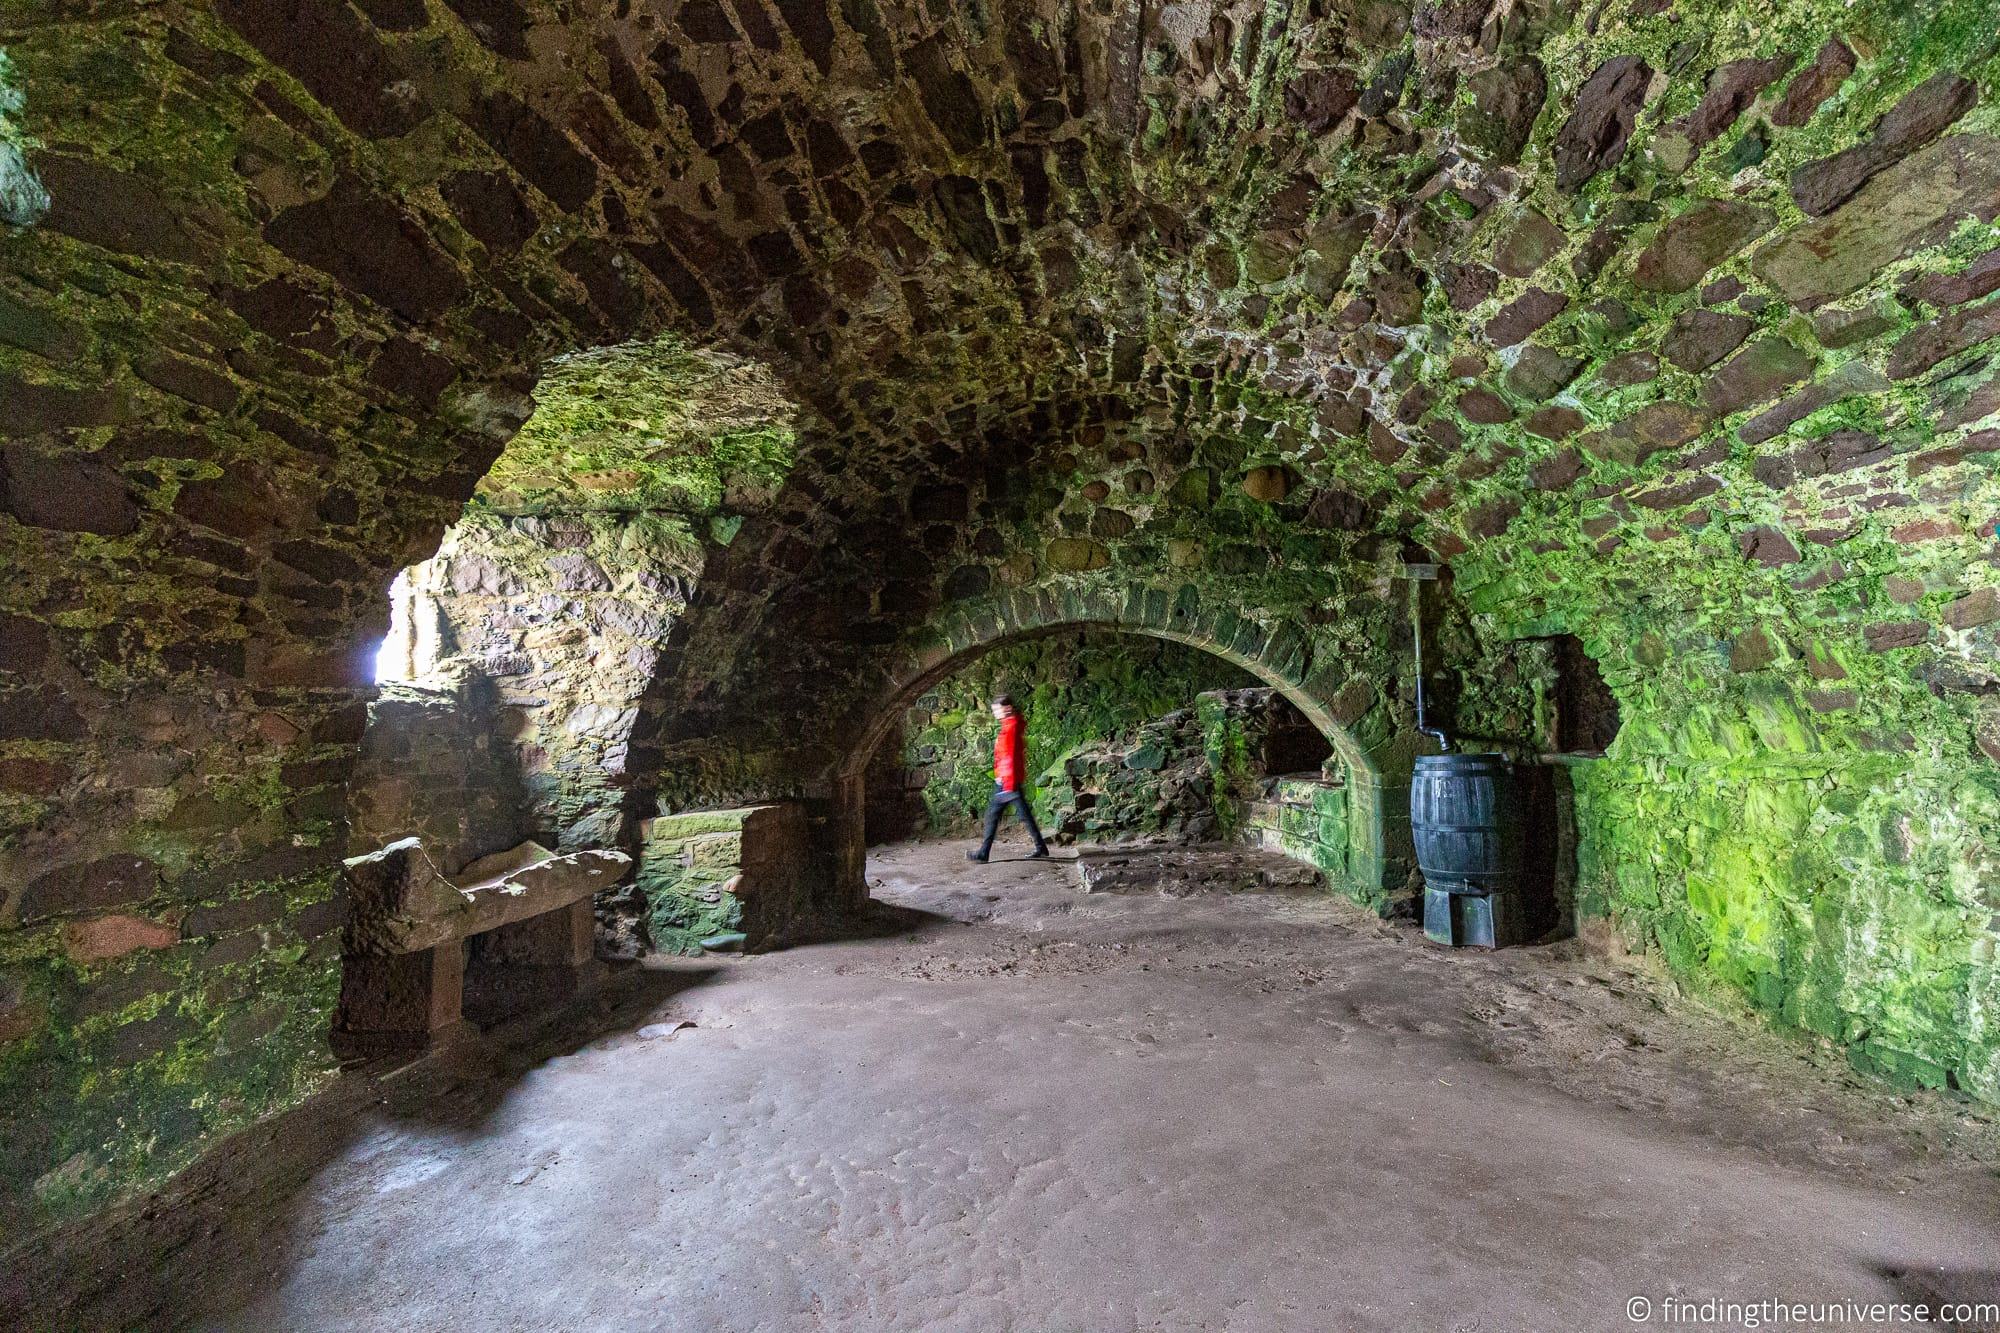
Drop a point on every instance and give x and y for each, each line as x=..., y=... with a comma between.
x=1578, y=724
x=1586, y=713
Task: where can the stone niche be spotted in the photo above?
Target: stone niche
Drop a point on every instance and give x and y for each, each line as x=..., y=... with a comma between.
x=708, y=876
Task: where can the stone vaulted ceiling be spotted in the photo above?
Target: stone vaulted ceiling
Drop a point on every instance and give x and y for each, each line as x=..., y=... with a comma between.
x=1477, y=254
x=1667, y=325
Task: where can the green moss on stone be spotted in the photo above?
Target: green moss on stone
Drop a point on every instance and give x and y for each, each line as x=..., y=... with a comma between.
x=1077, y=693
x=656, y=424
x=121, y=1096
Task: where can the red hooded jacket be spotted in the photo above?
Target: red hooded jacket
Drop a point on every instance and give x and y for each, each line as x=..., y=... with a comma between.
x=1007, y=761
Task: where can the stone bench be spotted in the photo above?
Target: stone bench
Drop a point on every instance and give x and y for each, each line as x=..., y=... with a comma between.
x=404, y=973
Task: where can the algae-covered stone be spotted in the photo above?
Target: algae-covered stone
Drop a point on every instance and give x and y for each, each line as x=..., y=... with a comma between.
x=1541, y=372
x=1505, y=101
x=1073, y=555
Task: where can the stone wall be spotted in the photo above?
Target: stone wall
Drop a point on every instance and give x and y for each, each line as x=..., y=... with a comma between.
x=1125, y=737
x=1304, y=816
x=1079, y=694
x=1153, y=781
x=433, y=766
x=1189, y=775
x=563, y=615
x=1251, y=737
x=581, y=549
x=119, y=1017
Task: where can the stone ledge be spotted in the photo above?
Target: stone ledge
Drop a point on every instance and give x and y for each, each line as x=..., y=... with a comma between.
x=402, y=904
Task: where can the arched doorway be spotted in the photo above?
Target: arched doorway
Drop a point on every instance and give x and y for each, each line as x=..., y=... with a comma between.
x=1332, y=699
x=1127, y=736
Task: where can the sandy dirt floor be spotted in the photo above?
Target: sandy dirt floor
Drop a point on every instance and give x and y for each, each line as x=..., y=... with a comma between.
x=1022, y=1107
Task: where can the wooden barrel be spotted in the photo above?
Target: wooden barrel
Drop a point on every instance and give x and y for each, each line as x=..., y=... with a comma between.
x=1465, y=816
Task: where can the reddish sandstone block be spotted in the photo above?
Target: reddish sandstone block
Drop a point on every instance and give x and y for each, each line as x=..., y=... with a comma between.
x=1981, y=607
x=1924, y=530
x=105, y=937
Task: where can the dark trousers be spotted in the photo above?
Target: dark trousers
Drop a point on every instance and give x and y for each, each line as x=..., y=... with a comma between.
x=1003, y=798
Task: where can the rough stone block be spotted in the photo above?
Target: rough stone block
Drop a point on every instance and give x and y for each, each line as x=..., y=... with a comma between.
x=402, y=1003
x=65, y=493
x=1830, y=68
x=1976, y=608
x=369, y=244
x=1732, y=87
x=401, y=903
x=1601, y=120
x=1522, y=316
x=107, y=937
x=1898, y=210
x=707, y=872
x=1923, y=114
x=1885, y=636
x=89, y=886
x=1700, y=338
x=1754, y=375
x=1929, y=344
x=1696, y=241
x=242, y=914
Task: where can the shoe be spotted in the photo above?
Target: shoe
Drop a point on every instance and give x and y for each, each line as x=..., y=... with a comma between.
x=1039, y=854
x=976, y=856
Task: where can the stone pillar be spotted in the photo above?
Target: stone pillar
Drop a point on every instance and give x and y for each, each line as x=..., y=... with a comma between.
x=847, y=890
x=1381, y=852
x=400, y=1004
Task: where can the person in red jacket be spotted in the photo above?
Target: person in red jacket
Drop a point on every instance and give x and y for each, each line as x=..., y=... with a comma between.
x=1010, y=769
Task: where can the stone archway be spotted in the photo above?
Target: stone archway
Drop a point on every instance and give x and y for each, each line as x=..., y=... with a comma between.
x=1332, y=697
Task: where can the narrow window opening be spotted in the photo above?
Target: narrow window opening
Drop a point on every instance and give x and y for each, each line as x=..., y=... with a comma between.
x=415, y=643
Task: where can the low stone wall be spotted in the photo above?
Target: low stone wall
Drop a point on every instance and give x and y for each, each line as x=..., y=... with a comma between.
x=1304, y=816
x=1153, y=780
x=707, y=873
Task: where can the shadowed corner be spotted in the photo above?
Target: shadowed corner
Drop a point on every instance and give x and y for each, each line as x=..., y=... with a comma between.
x=1962, y=1300
x=183, y=1252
